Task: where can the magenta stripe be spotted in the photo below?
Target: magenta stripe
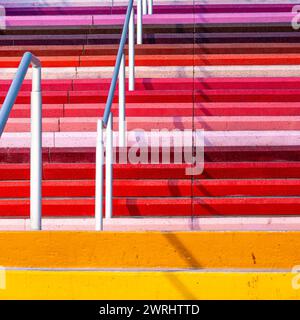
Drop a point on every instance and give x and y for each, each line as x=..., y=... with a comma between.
x=159, y=9
x=76, y=20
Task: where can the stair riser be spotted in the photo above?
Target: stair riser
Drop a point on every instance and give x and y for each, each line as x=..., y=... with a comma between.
x=89, y=125
x=173, y=39
x=159, y=60
x=74, y=155
x=182, y=96
x=154, y=49
x=168, y=84
x=182, y=9
x=198, y=18
x=238, y=170
x=154, y=188
x=158, y=208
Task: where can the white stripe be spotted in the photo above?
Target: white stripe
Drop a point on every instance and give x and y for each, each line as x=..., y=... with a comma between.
x=161, y=224
x=164, y=72
x=211, y=138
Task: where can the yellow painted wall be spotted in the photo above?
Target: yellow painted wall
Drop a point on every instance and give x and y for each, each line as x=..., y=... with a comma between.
x=275, y=250
x=147, y=285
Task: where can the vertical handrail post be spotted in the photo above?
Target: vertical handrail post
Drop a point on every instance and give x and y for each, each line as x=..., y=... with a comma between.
x=131, y=53
x=122, y=120
x=107, y=121
x=99, y=177
x=36, y=151
x=139, y=22
x=109, y=168
x=150, y=7
x=145, y=8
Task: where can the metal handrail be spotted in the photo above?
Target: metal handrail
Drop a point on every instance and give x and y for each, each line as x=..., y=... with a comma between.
x=36, y=130
x=107, y=120
x=119, y=61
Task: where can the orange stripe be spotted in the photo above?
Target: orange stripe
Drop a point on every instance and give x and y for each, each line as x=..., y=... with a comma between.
x=280, y=250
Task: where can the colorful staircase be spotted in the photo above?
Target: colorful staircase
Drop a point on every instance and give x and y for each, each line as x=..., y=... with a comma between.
x=150, y=265
x=231, y=69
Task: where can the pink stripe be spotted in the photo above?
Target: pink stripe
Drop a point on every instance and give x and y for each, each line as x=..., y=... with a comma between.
x=154, y=19
x=162, y=224
x=49, y=21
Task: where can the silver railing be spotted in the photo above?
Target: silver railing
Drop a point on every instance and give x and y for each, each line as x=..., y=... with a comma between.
x=36, y=131
x=143, y=7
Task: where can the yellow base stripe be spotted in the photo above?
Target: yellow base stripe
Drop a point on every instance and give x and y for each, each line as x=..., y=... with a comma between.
x=275, y=250
x=147, y=285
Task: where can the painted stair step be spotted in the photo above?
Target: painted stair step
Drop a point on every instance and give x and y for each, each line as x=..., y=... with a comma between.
x=164, y=96
x=83, y=3
x=168, y=72
x=169, y=84
x=180, y=109
x=106, y=10
x=242, y=83
x=47, y=85
x=12, y=51
x=101, y=84
x=207, y=123
x=247, y=95
x=250, y=170
x=246, y=206
x=91, y=20
x=151, y=29
x=214, y=140
x=243, y=38
x=246, y=188
x=198, y=18
x=161, y=60
x=213, y=171
x=90, y=124
x=48, y=111
x=101, y=96
x=175, y=84
x=178, y=60
x=244, y=109
x=204, y=206
x=23, y=125
x=90, y=39
x=140, y=84
x=158, y=188
x=132, y=110
x=247, y=123
x=86, y=155
x=86, y=207
x=160, y=35
x=132, y=224
x=195, y=48
x=203, y=38
x=182, y=8
x=149, y=49
x=64, y=61
x=84, y=171
x=61, y=10
x=168, y=38
x=48, y=21
x=148, y=29
x=76, y=50
x=86, y=188
x=172, y=60
x=46, y=3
